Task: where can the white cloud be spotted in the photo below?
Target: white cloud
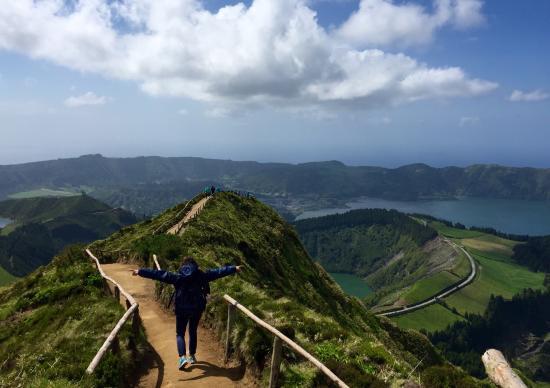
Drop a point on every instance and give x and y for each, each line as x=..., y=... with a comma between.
x=535, y=95
x=468, y=120
x=88, y=98
x=272, y=52
x=383, y=22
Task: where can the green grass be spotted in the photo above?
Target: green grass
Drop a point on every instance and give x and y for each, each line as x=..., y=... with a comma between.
x=6, y=277
x=463, y=268
x=495, y=277
x=451, y=232
x=43, y=193
x=53, y=322
x=432, y=318
x=429, y=286
x=280, y=283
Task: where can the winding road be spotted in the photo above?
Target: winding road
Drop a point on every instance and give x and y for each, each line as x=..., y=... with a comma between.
x=416, y=306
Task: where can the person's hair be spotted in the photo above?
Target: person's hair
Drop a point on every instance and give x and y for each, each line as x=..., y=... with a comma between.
x=189, y=260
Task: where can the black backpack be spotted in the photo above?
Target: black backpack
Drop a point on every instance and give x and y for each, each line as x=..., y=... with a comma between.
x=197, y=286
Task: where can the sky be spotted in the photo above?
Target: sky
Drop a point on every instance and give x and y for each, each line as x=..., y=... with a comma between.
x=366, y=82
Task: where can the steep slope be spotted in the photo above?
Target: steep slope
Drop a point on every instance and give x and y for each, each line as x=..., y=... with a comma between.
x=391, y=250
x=281, y=284
x=44, y=226
x=53, y=322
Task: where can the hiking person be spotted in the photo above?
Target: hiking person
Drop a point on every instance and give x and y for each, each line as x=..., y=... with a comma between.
x=212, y=190
x=191, y=290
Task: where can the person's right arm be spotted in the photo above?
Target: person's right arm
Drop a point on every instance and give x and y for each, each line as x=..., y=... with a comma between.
x=163, y=276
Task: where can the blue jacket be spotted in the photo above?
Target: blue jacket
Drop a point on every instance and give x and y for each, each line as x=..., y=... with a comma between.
x=190, y=282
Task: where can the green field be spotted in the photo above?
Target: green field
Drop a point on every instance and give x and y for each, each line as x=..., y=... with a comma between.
x=43, y=193
x=450, y=232
x=432, y=318
x=463, y=268
x=5, y=277
x=497, y=275
x=430, y=286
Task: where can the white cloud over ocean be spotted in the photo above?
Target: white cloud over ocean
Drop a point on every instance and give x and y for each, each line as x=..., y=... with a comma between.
x=272, y=52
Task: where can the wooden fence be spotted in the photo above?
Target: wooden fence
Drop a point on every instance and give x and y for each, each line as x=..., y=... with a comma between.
x=131, y=312
x=278, y=340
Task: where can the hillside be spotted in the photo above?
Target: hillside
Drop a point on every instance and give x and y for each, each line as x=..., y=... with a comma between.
x=396, y=254
x=281, y=284
x=497, y=274
x=53, y=322
x=519, y=327
x=289, y=187
x=44, y=226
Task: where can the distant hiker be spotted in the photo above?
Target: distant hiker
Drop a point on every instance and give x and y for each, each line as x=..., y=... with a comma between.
x=191, y=290
x=212, y=190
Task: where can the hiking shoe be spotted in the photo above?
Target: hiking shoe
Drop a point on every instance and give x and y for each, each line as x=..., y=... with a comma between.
x=192, y=360
x=182, y=363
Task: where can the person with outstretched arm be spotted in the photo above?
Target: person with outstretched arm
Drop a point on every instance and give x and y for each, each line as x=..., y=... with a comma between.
x=192, y=287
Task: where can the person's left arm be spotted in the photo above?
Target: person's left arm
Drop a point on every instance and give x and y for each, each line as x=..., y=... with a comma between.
x=218, y=273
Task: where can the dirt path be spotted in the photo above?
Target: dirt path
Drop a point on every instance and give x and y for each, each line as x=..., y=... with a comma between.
x=160, y=328
x=179, y=228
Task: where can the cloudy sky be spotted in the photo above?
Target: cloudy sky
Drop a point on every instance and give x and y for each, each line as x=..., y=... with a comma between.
x=445, y=82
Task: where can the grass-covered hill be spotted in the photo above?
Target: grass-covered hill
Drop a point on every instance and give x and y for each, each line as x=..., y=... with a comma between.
x=398, y=255
x=281, y=284
x=42, y=227
x=53, y=322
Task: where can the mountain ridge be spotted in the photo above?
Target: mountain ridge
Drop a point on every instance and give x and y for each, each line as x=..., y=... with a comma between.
x=316, y=179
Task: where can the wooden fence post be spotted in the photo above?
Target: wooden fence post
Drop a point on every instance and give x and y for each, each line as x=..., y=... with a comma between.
x=115, y=346
x=117, y=293
x=230, y=319
x=275, y=362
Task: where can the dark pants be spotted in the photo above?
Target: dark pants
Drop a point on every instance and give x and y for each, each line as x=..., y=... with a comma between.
x=182, y=319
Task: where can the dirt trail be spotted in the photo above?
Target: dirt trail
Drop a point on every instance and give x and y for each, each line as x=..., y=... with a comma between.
x=179, y=228
x=160, y=328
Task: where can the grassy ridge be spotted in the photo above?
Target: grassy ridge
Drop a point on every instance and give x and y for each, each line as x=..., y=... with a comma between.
x=53, y=322
x=44, y=226
x=283, y=286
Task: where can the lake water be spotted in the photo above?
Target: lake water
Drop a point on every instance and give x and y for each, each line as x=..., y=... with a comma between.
x=506, y=215
x=352, y=284
x=4, y=222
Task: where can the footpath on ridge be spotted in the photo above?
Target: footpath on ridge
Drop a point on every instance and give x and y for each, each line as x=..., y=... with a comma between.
x=160, y=329
x=179, y=228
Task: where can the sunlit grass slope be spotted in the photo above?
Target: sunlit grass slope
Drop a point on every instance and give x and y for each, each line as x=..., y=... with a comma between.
x=53, y=322
x=281, y=284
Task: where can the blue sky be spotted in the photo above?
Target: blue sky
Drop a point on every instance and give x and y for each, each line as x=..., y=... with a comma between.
x=444, y=82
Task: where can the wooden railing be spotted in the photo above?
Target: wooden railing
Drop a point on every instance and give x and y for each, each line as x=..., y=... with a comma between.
x=278, y=340
x=131, y=311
